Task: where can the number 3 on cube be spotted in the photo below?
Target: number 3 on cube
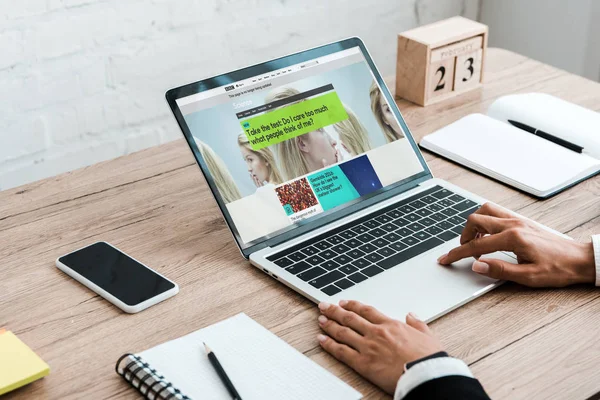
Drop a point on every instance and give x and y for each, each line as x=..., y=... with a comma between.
x=468, y=70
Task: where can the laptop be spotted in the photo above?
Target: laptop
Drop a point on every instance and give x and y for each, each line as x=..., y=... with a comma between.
x=323, y=186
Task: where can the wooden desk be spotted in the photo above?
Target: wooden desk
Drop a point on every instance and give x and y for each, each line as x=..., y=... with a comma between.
x=521, y=343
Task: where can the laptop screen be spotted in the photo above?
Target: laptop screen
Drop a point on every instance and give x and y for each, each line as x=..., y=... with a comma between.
x=295, y=144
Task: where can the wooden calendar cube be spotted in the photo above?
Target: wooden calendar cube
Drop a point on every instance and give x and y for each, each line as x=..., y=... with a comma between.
x=440, y=60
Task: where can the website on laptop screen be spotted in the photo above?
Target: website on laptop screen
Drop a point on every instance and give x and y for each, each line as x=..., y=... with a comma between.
x=298, y=142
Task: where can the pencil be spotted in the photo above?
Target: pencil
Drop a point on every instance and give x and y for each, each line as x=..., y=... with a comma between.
x=221, y=372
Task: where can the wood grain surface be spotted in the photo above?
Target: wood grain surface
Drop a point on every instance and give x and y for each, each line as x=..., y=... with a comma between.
x=522, y=343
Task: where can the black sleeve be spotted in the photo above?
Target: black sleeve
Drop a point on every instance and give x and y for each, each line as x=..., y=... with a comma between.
x=448, y=387
x=439, y=354
x=454, y=387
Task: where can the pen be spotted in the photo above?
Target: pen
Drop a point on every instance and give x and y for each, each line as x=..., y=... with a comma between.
x=221, y=372
x=547, y=136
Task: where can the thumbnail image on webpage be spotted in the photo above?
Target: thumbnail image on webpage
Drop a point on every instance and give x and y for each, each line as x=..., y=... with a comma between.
x=279, y=154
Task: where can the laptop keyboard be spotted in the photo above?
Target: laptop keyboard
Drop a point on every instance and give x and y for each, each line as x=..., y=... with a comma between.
x=351, y=254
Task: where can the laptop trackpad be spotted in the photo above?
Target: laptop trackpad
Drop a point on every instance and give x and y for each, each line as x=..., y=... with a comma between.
x=424, y=287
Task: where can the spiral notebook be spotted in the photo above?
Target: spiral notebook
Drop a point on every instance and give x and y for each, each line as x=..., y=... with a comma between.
x=260, y=365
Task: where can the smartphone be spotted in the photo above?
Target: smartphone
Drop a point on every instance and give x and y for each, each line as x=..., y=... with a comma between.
x=119, y=278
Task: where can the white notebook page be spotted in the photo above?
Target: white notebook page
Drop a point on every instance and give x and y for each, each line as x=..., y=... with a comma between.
x=509, y=154
x=260, y=365
x=553, y=115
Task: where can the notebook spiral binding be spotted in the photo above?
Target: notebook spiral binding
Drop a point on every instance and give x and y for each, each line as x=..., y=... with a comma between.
x=146, y=380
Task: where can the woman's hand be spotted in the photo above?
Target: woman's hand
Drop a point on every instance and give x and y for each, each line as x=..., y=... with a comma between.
x=336, y=157
x=545, y=259
x=256, y=181
x=374, y=345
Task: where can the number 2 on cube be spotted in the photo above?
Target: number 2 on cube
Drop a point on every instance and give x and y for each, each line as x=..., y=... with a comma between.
x=441, y=84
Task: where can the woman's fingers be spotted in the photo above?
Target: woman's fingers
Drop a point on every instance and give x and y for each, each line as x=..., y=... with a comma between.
x=345, y=318
x=342, y=334
x=476, y=247
x=415, y=322
x=480, y=223
x=525, y=274
x=343, y=353
x=369, y=313
x=494, y=210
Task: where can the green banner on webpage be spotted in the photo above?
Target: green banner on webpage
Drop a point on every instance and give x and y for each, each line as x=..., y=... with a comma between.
x=294, y=120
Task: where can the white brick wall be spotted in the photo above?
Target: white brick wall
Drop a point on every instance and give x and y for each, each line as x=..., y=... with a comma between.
x=83, y=81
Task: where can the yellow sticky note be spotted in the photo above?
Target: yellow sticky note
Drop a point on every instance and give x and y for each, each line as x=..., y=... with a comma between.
x=19, y=365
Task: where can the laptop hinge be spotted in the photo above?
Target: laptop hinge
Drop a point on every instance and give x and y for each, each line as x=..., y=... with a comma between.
x=274, y=242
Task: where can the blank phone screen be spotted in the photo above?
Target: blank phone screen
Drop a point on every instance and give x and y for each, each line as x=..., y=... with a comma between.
x=117, y=273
